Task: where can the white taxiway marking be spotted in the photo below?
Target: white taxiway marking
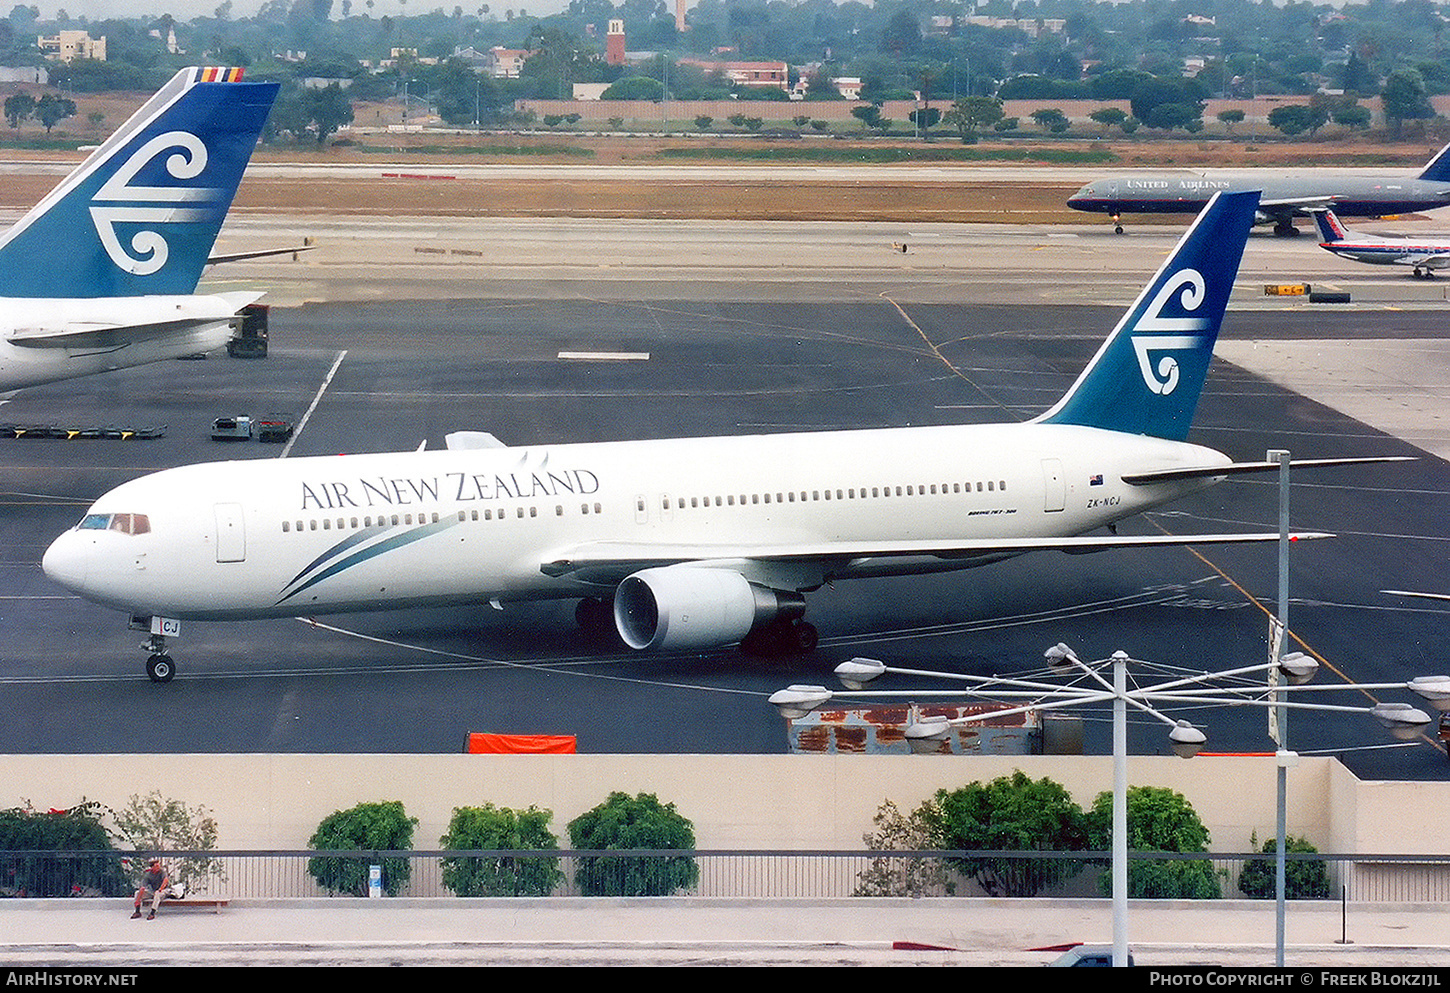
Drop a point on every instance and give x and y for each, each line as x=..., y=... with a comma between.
x=297, y=432
x=606, y=356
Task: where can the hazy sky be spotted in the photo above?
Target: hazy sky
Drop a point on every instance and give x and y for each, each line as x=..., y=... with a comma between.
x=185, y=10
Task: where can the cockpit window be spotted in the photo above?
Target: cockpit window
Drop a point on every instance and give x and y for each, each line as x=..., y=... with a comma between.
x=124, y=523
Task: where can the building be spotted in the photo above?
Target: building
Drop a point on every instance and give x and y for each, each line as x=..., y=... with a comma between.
x=506, y=63
x=747, y=75
x=68, y=45
x=614, y=53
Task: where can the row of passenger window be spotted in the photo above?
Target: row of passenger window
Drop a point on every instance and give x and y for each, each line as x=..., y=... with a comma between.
x=394, y=520
x=847, y=493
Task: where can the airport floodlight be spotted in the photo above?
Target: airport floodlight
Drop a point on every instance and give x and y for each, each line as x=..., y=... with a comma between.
x=857, y=672
x=1298, y=668
x=1435, y=690
x=1402, y=720
x=1061, y=659
x=1186, y=740
x=924, y=733
x=798, y=700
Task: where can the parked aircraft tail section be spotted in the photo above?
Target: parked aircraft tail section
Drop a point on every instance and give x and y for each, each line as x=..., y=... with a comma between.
x=1147, y=377
x=1437, y=170
x=1331, y=230
x=140, y=215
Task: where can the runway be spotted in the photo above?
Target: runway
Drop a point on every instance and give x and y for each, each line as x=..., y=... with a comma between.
x=429, y=326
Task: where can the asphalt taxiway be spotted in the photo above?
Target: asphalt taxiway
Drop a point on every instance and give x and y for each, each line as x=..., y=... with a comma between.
x=782, y=328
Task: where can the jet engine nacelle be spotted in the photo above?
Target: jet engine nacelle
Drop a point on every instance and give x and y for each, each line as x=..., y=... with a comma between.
x=690, y=607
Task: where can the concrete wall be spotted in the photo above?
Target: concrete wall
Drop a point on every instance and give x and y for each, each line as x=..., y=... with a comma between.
x=751, y=801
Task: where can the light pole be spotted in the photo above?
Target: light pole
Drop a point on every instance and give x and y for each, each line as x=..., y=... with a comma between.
x=1186, y=740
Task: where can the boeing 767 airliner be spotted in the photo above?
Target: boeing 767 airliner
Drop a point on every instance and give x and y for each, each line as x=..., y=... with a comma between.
x=681, y=543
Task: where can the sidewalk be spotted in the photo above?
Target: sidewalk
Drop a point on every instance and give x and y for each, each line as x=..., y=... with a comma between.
x=703, y=931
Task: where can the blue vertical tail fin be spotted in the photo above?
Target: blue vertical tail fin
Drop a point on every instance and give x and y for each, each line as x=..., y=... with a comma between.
x=1147, y=377
x=1437, y=170
x=140, y=215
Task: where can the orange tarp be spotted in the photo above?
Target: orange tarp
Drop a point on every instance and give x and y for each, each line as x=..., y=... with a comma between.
x=520, y=744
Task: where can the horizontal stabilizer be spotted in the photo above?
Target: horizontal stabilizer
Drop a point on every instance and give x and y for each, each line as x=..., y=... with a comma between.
x=621, y=558
x=462, y=441
x=1245, y=468
x=259, y=254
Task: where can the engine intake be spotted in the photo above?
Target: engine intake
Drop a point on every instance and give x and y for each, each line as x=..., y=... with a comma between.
x=690, y=607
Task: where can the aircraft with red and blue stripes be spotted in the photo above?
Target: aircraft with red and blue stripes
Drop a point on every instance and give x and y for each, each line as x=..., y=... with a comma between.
x=1423, y=255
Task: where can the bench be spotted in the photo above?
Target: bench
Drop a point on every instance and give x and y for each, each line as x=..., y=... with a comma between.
x=213, y=904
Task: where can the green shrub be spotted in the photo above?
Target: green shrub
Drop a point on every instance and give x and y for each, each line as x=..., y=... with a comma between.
x=368, y=827
x=1303, y=880
x=639, y=822
x=490, y=828
x=78, y=829
x=1159, y=820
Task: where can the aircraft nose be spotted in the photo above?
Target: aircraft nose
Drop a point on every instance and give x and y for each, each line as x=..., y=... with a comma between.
x=66, y=561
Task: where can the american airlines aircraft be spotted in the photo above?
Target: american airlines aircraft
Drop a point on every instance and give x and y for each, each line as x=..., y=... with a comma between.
x=681, y=543
x=1282, y=198
x=1424, y=256
x=101, y=273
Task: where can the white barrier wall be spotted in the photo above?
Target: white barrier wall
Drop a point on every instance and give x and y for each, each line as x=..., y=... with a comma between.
x=735, y=801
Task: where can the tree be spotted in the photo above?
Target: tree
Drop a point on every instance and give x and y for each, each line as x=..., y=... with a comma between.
x=1010, y=814
x=1050, y=119
x=703, y=122
x=1156, y=91
x=18, y=107
x=624, y=822
x=1404, y=98
x=1159, y=820
x=78, y=829
x=1297, y=118
x=869, y=114
x=969, y=115
x=51, y=110
x=1108, y=116
x=153, y=823
x=381, y=826
x=1167, y=116
x=329, y=109
x=634, y=88
x=1304, y=879
x=926, y=118
x=497, y=829
x=896, y=875
x=1228, y=118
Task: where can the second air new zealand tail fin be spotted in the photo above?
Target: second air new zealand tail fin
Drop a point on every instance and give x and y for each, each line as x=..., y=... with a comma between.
x=1147, y=377
x=140, y=215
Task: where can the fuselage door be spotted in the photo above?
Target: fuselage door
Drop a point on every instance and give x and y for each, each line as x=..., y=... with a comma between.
x=1054, y=487
x=231, y=534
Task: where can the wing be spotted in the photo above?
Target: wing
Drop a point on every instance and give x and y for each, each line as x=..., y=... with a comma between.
x=1425, y=260
x=106, y=323
x=1294, y=206
x=608, y=562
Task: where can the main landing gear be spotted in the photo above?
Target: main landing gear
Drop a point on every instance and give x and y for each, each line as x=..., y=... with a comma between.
x=782, y=636
x=1117, y=224
x=1423, y=273
x=1285, y=228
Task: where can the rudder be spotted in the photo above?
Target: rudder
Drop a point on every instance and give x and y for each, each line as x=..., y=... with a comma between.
x=1147, y=377
x=140, y=215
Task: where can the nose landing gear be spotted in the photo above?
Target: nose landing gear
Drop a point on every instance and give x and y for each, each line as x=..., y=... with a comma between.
x=159, y=666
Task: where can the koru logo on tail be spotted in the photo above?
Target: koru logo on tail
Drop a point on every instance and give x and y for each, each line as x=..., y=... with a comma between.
x=127, y=204
x=1155, y=333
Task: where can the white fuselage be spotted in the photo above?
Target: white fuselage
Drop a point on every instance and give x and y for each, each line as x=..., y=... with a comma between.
x=271, y=538
x=48, y=340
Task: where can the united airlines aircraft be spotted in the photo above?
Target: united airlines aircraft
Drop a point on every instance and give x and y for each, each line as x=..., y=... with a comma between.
x=683, y=543
x=101, y=273
x=1422, y=255
x=1282, y=198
